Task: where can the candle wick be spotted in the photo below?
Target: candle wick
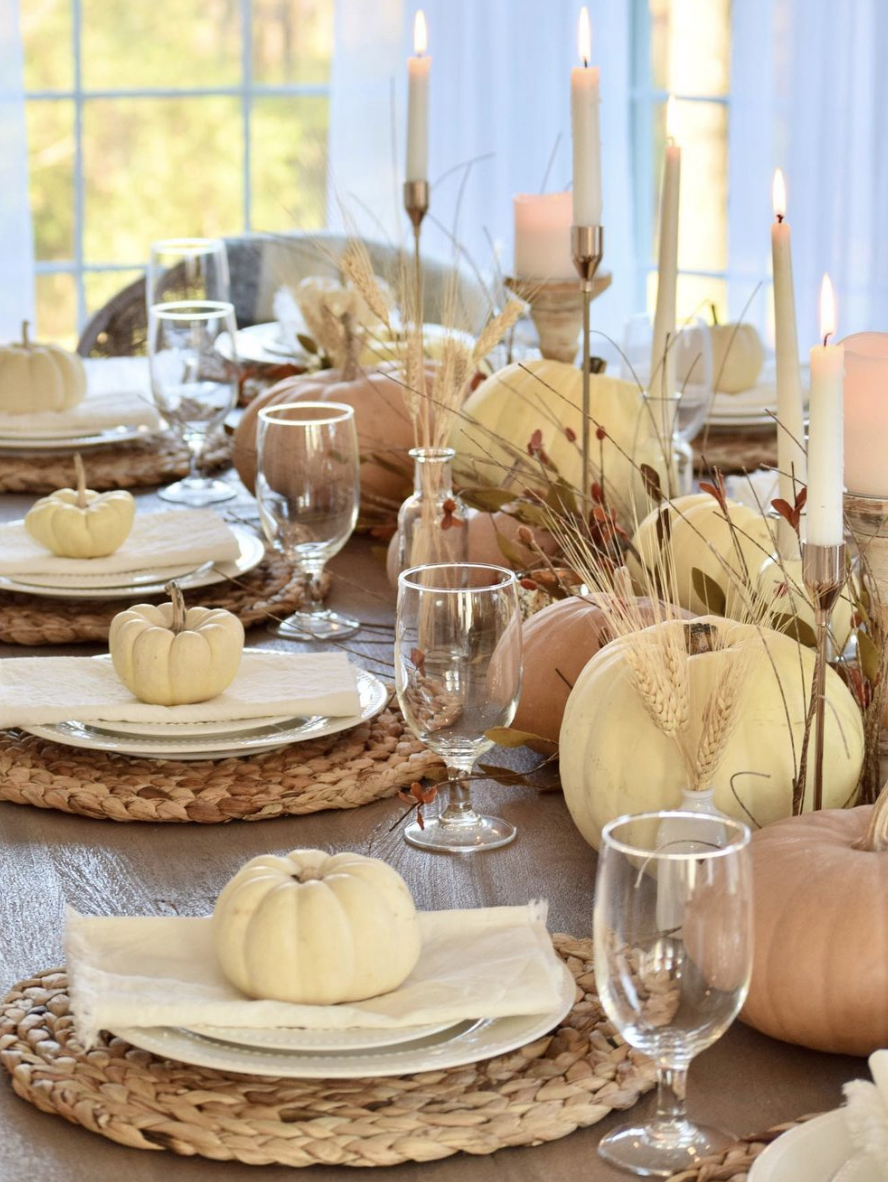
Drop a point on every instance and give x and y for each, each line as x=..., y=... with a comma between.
x=826, y=338
x=780, y=217
x=585, y=63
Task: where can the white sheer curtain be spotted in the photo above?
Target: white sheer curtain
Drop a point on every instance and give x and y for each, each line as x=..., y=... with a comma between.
x=499, y=97
x=16, y=241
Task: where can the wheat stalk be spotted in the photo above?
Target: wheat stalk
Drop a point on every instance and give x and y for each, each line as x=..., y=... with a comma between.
x=495, y=329
x=358, y=269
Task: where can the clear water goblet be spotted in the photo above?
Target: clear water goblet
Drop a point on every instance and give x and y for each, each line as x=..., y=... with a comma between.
x=458, y=674
x=187, y=269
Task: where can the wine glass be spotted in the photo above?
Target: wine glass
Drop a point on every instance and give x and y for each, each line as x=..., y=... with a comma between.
x=673, y=958
x=194, y=384
x=308, y=487
x=187, y=269
x=458, y=673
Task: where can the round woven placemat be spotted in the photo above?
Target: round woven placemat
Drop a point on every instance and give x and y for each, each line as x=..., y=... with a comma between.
x=736, y=451
x=270, y=589
x=341, y=771
x=568, y=1080
x=144, y=462
x=734, y=1163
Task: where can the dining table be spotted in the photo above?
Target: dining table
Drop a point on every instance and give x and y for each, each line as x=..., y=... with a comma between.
x=745, y=1083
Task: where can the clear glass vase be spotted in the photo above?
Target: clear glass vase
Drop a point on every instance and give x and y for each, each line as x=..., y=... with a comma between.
x=432, y=526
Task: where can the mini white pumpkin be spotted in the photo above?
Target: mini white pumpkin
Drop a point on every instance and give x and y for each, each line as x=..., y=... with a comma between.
x=316, y=929
x=169, y=656
x=36, y=377
x=81, y=523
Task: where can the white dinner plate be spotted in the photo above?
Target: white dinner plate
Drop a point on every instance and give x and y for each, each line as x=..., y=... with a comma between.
x=125, y=584
x=817, y=1151
x=281, y=1038
x=56, y=442
x=263, y=344
x=467, y=1042
x=268, y=735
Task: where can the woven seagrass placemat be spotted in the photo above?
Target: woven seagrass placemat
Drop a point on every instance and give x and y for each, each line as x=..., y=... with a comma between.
x=139, y=464
x=340, y=771
x=734, y=1163
x=736, y=451
x=568, y=1080
x=269, y=590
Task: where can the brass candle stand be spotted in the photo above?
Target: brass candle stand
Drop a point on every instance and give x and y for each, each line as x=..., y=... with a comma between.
x=823, y=573
x=416, y=205
x=587, y=249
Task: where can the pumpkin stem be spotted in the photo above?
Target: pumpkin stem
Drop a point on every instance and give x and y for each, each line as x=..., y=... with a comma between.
x=876, y=837
x=714, y=312
x=26, y=339
x=80, y=473
x=178, y=600
x=350, y=340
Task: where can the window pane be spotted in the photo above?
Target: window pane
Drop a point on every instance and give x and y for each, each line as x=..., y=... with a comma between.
x=51, y=166
x=292, y=41
x=56, y=299
x=46, y=36
x=289, y=163
x=159, y=168
x=691, y=46
x=702, y=130
x=101, y=286
x=164, y=43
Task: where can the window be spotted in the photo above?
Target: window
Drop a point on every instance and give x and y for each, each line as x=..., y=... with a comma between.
x=683, y=48
x=150, y=120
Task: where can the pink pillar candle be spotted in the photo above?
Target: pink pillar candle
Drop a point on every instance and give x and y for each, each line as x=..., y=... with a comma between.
x=542, y=236
x=866, y=414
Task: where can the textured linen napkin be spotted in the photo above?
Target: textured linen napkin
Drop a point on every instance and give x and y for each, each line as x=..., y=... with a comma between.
x=866, y=1116
x=117, y=395
x=485, y=963
x=36, y=691
x=160, y=540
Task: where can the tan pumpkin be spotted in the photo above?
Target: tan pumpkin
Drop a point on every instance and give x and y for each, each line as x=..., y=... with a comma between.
x=384, y=426
x=39, y=377
x=820, y=894
x=615, y=759
x=557, y=643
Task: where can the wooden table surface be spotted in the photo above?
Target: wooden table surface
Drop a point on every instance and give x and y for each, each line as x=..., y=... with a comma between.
x=745, y=1083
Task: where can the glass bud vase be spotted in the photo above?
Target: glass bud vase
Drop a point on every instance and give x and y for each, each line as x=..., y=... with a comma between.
x=432, y=523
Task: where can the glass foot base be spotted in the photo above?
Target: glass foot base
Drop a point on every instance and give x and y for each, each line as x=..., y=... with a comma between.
x=322, y=625
x=197, y=492
x=486, y=833
x=662, y=1148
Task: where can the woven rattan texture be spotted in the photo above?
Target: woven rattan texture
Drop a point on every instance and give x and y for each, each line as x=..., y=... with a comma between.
x=568, y=1080
x=340, y=771
x=734, y=1163
x=736, y=451
x=270, y=589
x=141, y=464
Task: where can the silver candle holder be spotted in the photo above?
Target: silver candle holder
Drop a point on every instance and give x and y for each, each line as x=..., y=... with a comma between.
x=587, y=249
x=416, y=205
x=823, y=573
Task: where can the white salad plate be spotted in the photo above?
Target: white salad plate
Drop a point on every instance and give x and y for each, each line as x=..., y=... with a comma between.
x=55, y=442
x=186, y=741
x=263, y=344
x=817, y=1151
x=453, y=1046
x=123, y=584
x=284, y=1038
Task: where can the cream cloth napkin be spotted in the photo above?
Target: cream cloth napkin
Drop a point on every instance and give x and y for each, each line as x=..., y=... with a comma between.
x=162, y=540
x=37, y=691
x=118, y=394
x=484, y=963
x=866, y=1117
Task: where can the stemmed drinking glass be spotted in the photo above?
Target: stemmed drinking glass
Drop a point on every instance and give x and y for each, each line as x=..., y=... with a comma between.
x=458, y=673
x=187, y=269
x=673, y=958
x=308, y=487
x=194, y=383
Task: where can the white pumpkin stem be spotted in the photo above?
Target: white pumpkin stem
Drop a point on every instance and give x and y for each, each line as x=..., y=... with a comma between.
x=308, y=874
x=350, y=362
x=80, y=473
x=876, y=837
x=26, y=337
x=178, y=601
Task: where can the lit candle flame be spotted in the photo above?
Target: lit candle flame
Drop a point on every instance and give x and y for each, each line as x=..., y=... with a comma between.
x=827, y=309
x=584, y=37
x=420, y=33
x=778, y=195
x=671, y=119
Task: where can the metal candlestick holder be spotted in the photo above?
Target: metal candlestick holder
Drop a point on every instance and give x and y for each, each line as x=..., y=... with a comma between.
x=587, y=249
x=416, y=204
x=823, y=573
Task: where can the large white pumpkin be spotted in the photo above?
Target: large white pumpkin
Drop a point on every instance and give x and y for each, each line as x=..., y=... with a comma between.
x=614, y=759
x=35, y=378
x=702, y=539
x=500, y=418
x=316, y=929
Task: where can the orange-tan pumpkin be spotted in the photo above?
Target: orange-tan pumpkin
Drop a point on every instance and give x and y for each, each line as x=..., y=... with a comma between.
x=820, y=899
x=385, y=432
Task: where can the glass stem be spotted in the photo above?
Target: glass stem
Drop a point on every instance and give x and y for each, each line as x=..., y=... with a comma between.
x=195, y=451
x=672, y=1084
x=459, y=810
x=311, y=583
